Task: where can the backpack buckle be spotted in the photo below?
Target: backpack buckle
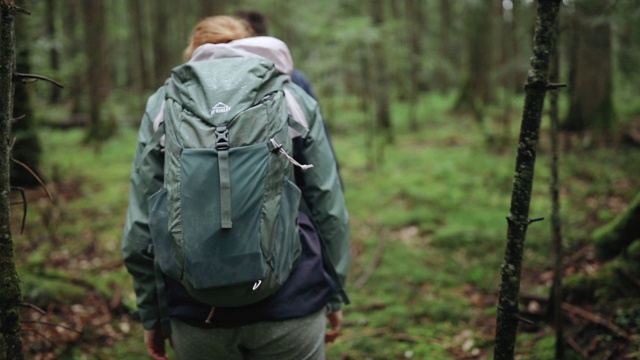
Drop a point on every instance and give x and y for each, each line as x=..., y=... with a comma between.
x=222, y=138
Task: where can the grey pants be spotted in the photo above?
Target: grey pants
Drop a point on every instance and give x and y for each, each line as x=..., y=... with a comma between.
x=296, y=339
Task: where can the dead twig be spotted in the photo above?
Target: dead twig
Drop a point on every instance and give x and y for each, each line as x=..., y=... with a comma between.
x=595, y=318
x=35, y=176
x=33, y=307
x=23, y=78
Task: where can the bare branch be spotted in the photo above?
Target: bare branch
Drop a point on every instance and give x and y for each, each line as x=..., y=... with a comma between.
x=554, y=86
x=22, y=77
x=18, y=118
x=595, y=318
x=35, y=176
x=33, y=307
x=531, y=221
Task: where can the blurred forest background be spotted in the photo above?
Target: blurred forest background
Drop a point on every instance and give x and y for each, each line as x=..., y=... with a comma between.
x=423, y=99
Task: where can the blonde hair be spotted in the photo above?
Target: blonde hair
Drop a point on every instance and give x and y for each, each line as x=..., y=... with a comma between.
x=216, y=30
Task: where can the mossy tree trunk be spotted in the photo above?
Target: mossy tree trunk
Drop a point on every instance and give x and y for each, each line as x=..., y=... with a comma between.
x=617, y=236
x=10, y=295
x=518, y=220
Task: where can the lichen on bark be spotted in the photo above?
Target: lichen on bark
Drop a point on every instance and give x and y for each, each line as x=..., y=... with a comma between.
x=518, y=220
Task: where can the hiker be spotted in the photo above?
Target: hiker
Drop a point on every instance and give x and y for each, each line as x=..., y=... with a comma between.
x=288, y=324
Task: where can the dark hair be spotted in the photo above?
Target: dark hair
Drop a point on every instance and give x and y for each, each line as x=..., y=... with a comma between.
x=257, y=20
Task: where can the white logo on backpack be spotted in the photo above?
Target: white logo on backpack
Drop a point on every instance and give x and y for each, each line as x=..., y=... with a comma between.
x=220, y=108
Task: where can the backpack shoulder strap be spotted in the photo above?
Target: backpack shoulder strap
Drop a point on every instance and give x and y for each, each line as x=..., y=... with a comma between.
x=155, y=140
x=298, y=123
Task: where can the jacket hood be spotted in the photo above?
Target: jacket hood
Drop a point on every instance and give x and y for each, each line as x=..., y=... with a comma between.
x=266, y=47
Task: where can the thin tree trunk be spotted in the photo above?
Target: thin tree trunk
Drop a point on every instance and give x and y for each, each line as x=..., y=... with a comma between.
x=211, y=8
x=381, y=85
x=413, y=11
x=71, y=19
x=10, y=296
x=140, y=64
x=161, y=54
x=518, y=219
x=442, y=78
x=99, y=84
x=54, y=53
x=556, y=224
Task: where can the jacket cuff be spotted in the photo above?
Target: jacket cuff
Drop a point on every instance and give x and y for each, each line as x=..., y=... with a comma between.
x=149, y=318
x=333, y=306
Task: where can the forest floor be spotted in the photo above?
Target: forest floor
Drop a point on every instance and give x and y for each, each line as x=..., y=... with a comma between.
x=428, y=234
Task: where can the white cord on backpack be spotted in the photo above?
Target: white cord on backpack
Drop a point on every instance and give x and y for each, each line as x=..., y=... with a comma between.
x=278, y=147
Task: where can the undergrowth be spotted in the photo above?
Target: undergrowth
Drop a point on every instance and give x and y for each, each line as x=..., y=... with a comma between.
x=428, y=234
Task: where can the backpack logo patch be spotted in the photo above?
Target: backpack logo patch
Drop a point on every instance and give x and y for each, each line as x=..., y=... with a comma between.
x=220, y=108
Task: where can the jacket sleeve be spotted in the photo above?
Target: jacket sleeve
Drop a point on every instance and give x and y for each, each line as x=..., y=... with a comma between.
x=146, y=178
x=322, y=191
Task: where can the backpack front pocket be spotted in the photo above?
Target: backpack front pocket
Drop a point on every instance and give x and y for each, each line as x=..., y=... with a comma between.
x=216, y=256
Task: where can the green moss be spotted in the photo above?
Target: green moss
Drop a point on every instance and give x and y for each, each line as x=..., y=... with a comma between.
x=612, y=238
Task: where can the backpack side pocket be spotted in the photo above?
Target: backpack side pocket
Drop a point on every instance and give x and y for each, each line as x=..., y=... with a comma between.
x=159, y=228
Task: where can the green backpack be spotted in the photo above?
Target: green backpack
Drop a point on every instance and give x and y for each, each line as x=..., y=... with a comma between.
x=224, y=223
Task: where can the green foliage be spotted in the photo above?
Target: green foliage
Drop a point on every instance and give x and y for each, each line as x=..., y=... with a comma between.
x=428, y=232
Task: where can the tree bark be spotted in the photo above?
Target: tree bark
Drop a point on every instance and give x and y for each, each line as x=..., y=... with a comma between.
x=11, y=295
x=590, y=94
x=518, y=219
x=99, y=81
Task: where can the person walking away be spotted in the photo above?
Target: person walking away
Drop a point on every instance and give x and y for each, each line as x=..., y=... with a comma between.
x=288, y=324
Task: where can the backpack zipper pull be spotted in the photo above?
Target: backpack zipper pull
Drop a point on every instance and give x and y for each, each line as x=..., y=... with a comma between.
x=278, y=147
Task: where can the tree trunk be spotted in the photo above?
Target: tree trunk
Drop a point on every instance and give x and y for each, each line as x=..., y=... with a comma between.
x=72, y=49
x=10, y=296
x=477, y=89
x=211, y=8
x=413, y=20
x=27, y=147
x=442, y=77
x=161, y=56
x=518, y=219
x=590, y=92
x=139, y=62
x=381, y=84
x=54, y=53
x=556, y=225
x=99, y=81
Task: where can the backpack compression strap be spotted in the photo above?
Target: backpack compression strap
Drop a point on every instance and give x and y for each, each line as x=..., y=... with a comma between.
x=222, y=145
